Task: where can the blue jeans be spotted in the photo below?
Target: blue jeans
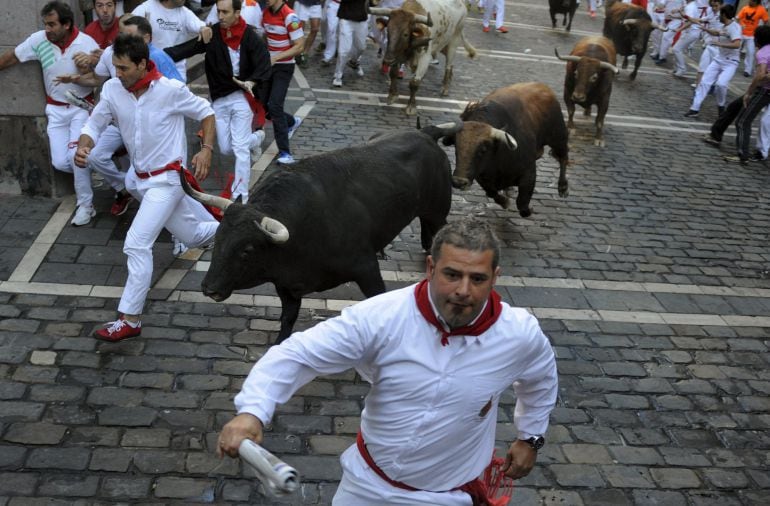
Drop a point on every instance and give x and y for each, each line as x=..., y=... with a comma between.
x=279, y=86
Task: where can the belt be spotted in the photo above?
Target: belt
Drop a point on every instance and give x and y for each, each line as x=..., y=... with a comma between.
x=475, y=488
x=176, y=166
x=52, y=101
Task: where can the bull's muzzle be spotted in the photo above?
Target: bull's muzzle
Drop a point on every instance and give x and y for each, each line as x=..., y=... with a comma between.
x=213, y=294
x=461, y=183
x=578, y=97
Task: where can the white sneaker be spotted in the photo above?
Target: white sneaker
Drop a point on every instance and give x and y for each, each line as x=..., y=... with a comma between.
x=179, y=248
x=257, y=138
x=337, y=82
x=434, y=61
x=295, y=126
x=83, y=216
x=285, y=158
x=360, y=71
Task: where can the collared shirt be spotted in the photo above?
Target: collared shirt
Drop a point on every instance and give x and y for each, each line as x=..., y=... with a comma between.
x=170, y=26
x=428, y=403
x=152, y=126
x=56, y=62
x=281, y=28
x=103, y=37
x=163, y=62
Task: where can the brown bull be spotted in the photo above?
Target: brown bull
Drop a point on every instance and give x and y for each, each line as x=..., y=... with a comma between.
x=588, y=80
x=629, y=27
x=503, y=137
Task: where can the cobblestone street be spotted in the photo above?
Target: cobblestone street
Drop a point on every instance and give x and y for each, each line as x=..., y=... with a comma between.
x=651, y=280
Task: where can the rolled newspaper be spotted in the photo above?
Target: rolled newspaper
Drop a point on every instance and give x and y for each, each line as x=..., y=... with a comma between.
x=78, y=101
x=277, y=476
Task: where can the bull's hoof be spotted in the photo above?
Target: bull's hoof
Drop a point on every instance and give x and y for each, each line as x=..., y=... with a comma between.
x=444, y=91
x=502, y=200
x=625, y=64
x=599, y=143
x=587, y=111
x=633, y=75
x=410, y=110
x=525, y=213
x=564, y=191
x=392, y=99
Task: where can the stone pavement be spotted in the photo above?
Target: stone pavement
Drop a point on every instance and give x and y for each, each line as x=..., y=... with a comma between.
x=650, y=280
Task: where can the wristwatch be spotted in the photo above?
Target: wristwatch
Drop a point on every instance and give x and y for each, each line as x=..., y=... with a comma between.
x=535, y=442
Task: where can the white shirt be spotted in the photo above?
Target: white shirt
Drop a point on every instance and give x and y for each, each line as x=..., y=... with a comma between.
x=673, y=15
x=104, y=67
x=152, y=126
x=170, y=26
x=426, y=400
x=54, y=62
x=730, y=32
x=699, y=9
x=252, y=14
x=712, y=23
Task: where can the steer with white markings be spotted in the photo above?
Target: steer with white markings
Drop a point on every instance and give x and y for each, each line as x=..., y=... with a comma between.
x=417, y=32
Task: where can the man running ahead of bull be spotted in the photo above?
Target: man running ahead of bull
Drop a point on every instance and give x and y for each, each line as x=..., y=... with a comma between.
x=438, y=355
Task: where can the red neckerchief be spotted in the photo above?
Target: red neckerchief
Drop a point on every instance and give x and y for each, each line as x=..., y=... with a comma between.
x=73, y=35
x=233, y=40
x=485, y=320
x=151, y=75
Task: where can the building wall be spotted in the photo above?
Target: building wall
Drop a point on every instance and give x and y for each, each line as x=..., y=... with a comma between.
x=25, y=165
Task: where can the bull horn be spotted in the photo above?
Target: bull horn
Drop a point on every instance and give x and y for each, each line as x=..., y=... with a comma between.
x=566, y=58
x=660, y=27
x=274, y=229
x=503, y=136
x=609, y=66
x=204, y=198
x=419, y=18
x=378, y=11
x=629, y=21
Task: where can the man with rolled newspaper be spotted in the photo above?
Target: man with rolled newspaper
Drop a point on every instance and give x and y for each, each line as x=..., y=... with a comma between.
x=438, y=355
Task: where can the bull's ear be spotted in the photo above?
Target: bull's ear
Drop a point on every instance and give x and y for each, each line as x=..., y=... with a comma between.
x=448, y=140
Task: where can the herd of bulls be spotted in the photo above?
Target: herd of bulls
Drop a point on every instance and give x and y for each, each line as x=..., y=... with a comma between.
x=323, y=221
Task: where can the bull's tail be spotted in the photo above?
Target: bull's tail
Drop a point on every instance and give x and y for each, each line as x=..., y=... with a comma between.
x=443, y=130
x=468, y=47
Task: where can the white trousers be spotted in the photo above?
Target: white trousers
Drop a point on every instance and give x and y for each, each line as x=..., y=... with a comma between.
x=64, y=125
x=667, y=39
x=360, y=486
x=660, y=19
x=332, y=23
x=763, y=139
x=499, y=8
x=234, y=136
x=719, y=73
x=707, y=56
x=686, y=40
x=749, y=48
x=351, y=43
x=163, y=205
x=100, y=158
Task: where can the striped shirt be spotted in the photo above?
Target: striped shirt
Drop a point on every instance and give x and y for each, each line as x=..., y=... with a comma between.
x=281, y=28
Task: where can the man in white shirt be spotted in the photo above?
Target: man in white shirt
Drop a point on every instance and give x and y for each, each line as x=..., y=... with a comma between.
x=149, y=111
x=54, y=48
x=438, y=355
x=173, y=23
x=694, y=12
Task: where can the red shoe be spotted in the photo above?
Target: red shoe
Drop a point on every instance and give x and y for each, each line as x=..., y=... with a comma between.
x=485, y=29
x=120, y=206
x=502, y=29
x=118, y=330
x=592, y=14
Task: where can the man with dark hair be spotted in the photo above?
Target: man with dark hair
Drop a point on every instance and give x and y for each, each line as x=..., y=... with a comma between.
x=149, y=111
x=235, y=55
x=105, y=27
x=54, y=48
x=439, y=355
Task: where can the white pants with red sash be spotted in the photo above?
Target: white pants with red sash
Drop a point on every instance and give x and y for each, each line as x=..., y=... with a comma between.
x=163, y=205
x=233, y=114
x=360, y=486
x=64, y=125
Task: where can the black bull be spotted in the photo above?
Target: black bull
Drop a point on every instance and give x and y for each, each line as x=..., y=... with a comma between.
x=321, y=222
x=566, y=7
x=628, y=27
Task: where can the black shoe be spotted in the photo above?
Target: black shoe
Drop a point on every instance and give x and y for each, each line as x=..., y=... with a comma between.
x=746, y=74
x=735, y=159
x=691, y=114
x=710, y=140
x=660, y=61
x=720, y=110
x=756, y=157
